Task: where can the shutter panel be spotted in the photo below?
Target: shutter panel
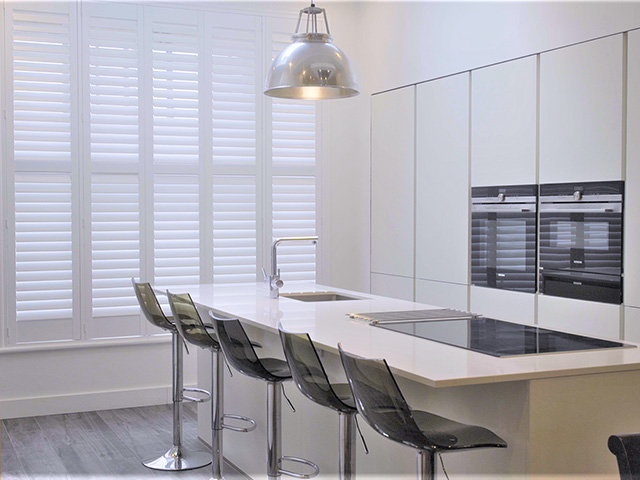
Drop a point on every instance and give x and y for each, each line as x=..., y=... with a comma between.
x=112, y=60
x=235, y=54
x=41, y=86
x=234, y=229
x=235, y=61
x=175, y=90
x=41, y=118
x=177, y=229
x=293, y=167
x=44, y=261
x=115, y=243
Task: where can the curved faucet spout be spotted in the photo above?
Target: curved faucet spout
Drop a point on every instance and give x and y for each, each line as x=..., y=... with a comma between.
x=275, y=282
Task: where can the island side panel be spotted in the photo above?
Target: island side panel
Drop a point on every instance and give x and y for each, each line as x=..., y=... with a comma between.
x=572, y=419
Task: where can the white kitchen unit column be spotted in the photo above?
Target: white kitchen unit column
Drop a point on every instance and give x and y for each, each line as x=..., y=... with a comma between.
x=450, y=295
x=392, y=183
x=579, y=316
x=581, y=112
x=632, y=324
x=393, y=286
x=442, y=181
x=632, y=186
x=506, y=305
x=503, y=123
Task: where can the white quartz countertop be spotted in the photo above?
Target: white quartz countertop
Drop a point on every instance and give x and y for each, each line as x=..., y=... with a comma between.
x=430, y=363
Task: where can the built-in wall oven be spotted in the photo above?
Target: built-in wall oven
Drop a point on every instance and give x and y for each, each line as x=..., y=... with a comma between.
x=503, y=237
x=581, y=240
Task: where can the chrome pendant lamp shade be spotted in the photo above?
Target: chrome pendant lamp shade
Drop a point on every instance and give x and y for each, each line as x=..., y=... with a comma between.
x=311, y=67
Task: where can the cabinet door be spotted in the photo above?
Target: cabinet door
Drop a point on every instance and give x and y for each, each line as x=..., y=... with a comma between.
x=632, y=324
x=632, y=188
x=581, y=112
x=503, y=123
x=392, y=182
x=447, y=295
x=579, y=316
x=506, y=305
x=392, y=286
x=442, y=180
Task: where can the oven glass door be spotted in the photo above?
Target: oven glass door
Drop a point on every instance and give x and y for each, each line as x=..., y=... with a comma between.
x=503, y=250
x=581, y=241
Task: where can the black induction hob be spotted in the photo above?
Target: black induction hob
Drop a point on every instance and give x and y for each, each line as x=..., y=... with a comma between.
x=499, y=338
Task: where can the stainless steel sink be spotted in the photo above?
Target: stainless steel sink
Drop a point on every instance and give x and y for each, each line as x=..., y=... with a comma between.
x=319, y=296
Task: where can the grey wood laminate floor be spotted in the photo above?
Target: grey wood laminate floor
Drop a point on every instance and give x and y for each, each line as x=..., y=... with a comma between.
x=97, y=445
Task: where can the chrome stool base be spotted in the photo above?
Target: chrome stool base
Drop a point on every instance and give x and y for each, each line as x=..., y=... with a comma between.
x=179, y=459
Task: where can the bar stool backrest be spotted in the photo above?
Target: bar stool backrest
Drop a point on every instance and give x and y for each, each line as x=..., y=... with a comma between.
x=308, y=372
x=150, y=306
x=626, y=448
x=189, y=323
x=238, y=349
x=379, y=399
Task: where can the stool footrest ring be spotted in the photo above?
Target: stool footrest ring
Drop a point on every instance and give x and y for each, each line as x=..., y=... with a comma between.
x=242, y=418
x=206, y=393
x=296, y=474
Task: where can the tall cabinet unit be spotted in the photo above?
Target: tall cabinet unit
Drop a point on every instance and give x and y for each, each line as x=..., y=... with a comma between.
x=581, y=139
x=581, y=112
x=393, y=192
x=503, y=152
x=442, y=189
x=632, y=193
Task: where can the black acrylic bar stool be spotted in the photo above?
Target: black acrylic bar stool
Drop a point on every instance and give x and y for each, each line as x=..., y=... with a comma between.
x=381, y=403
x=194, y=331
x=240, y=353
x=178, y=457
x=311, y=379
x=626, y=448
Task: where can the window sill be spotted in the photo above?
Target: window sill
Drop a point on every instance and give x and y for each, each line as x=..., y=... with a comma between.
x=86, y=344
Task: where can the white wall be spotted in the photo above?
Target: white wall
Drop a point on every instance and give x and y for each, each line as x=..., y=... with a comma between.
x=397, y=43
x=49, y=379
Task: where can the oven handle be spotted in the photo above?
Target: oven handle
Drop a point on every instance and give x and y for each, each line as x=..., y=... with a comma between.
x=582, y=208
x=504, y=208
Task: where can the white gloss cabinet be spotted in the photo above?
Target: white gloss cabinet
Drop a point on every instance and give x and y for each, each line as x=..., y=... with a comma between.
x=392, y=182
x=579, y=316
x=442, y=179
x=581, y=112
x=392, y=286
x=632, y=324
x=503, y=123
x=506, y=305
x=441, y=294
x=632, y=186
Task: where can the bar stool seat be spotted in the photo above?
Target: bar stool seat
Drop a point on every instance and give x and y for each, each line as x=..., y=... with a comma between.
x=239, y=351
x=312, y=381
x=382, y=405
x=178, y=457
x=194, y=331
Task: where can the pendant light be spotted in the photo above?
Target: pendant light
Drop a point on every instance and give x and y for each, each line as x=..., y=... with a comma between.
x=311, y=67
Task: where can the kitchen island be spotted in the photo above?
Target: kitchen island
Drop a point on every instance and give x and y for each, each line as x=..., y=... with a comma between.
x=556, y=411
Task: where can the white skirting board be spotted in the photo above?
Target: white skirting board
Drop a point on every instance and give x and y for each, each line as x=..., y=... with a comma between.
x=85, y=402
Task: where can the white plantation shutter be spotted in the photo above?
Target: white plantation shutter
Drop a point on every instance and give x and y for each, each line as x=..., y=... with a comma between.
x=235, y=87
x=234, y=229
x=174, y=37
x=42, y=144
x=148, y=152
x=175, y=65
x=112, y=61
x=294, y=215
x=176, y=229
x=293, y=170
x=115, y=243
x=44, y=260
x=41, y=86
